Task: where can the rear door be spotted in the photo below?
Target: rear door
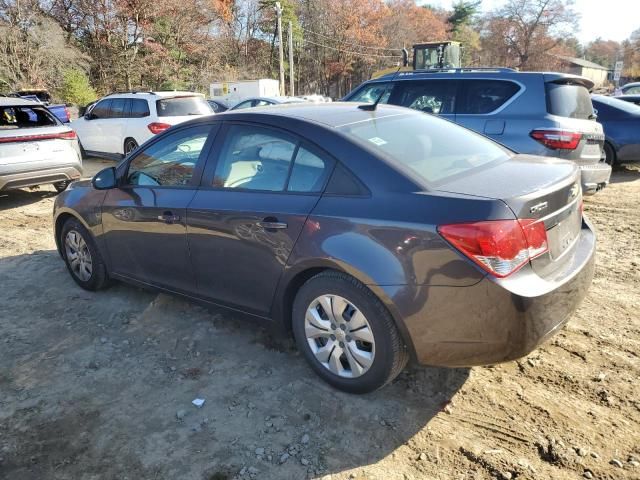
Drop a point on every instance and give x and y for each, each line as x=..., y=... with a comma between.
x=258, y=189
x=437, y=97
x=113, y=127
x=144, y=219
x=480, y=102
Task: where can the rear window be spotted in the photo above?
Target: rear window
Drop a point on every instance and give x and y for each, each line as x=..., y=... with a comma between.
x=567, y=100
x=183, y=106
x=613, y=107
x=12, y=118
x=432, y=149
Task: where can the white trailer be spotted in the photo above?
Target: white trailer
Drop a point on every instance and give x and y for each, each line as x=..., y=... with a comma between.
x=234, y=92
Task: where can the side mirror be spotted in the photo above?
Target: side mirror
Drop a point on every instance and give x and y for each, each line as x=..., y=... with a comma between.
x=89, y=116
x=105, y=179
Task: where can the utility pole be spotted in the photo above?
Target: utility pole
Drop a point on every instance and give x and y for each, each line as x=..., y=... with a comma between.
x=280, y=47
x=291, y=59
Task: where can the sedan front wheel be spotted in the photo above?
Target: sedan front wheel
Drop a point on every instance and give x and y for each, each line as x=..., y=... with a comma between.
x=82, y=257
x=346, y=333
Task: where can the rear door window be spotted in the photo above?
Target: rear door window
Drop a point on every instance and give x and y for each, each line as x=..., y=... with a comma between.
x=118, y=106
x=568, y=100
x=183, y=106
x=485, y=96
x=429, y=96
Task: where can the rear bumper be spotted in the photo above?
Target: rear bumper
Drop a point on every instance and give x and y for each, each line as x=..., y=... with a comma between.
x=495, y=320
x=594, y=177
x=40, y=176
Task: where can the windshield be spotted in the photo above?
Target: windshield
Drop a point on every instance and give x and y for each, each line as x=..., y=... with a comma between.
x=569, y=100
x=429, y=147
x=183, y=106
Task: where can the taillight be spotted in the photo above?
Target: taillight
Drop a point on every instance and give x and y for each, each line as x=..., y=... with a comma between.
x=70, y=135
x=500, y=247
x=557, y=139
x=157, y=127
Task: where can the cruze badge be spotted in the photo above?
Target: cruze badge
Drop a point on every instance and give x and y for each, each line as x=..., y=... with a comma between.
x=539, y=207
x=573, y=193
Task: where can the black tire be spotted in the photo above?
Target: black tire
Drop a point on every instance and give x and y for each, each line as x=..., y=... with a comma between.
x=83, y=153
x=610, y=154
x=98, y=278
x=129, y=146
x=391, y=354
x=61, y=186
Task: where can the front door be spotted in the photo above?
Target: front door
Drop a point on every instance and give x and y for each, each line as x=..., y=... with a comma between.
x=245, y=219
x=144, y=219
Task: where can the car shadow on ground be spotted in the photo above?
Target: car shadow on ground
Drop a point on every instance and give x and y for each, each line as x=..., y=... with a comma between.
x=21, y=197
x=94, y=377
x=625, y=173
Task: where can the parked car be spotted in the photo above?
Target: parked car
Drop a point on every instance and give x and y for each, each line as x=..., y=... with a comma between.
x=118, y=123
x=217, y=105
x=548, y=114
x=265, y=102
x=374, y=235
x=621, y=122
x=35, y=147
x=42, y=96
x=630, y=98
x=631, y=88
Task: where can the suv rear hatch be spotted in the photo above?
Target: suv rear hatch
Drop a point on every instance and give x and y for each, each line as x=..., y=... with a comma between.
x=174, y=110
x=576, y=136
x=30, y=137
x=537, y=190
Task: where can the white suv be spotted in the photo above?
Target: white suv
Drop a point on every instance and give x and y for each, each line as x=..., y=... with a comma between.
x=119, y=122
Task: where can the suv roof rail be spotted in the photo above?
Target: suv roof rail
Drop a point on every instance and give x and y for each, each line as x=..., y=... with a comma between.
x=130, y=91
x=454, y=70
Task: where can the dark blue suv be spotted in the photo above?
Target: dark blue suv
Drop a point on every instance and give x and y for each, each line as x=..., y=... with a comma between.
x=548, y=114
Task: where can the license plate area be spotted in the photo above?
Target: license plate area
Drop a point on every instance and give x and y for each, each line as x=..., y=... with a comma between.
x=564, y=235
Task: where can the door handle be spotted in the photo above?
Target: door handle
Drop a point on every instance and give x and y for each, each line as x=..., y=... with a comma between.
x=168, y=217
x=271, y=223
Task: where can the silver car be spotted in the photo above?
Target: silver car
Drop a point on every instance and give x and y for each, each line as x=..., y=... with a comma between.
x=35, y=147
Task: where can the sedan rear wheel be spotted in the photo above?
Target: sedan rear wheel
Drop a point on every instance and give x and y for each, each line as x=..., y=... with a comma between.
x=346, y=333
x=82, y=257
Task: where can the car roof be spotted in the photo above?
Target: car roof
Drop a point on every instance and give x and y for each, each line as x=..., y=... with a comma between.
x=17, y=102
x=335, y=114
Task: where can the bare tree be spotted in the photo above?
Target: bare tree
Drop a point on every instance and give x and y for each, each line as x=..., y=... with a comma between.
x=524, y=32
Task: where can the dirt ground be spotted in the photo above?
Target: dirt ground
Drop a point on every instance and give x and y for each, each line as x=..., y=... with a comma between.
x=100, y=385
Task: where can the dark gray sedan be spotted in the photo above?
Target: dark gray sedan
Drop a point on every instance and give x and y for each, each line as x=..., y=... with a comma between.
x=374, y=236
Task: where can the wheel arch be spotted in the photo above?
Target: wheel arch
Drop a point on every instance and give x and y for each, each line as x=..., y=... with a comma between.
x=60, y=220
x=292, y=281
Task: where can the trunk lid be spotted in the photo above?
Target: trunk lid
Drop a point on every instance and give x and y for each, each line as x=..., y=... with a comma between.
x=539, y=188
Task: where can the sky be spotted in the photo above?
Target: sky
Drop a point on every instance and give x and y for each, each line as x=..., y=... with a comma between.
x=610, y=19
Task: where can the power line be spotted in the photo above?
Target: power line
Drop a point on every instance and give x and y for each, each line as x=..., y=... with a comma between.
x=352, y=44
x=364, y=54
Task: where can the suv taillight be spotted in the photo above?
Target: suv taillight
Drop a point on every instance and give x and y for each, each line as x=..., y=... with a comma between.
x=157, y=127
x=70, y=135
x=500, y=247
x=557, y=139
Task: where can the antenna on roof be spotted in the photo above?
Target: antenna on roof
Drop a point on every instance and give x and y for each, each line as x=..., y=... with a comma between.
x=370, y=107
